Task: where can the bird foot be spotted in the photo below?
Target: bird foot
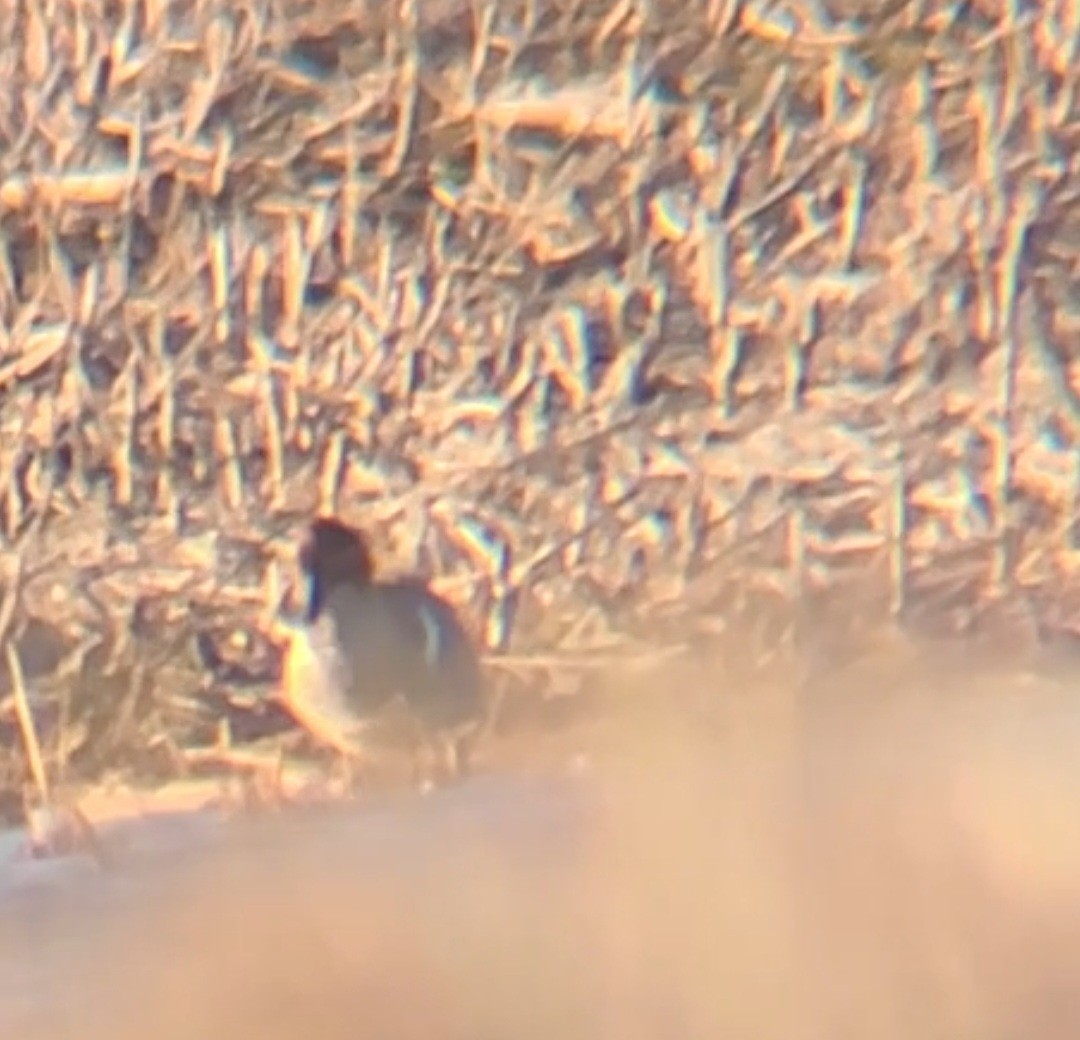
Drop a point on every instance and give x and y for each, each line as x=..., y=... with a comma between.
x=440, y=764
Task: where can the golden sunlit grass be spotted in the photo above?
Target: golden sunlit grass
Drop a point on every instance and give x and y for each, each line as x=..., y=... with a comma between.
x=626, y=321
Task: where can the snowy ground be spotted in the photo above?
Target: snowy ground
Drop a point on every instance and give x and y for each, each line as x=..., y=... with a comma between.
x=910, y=870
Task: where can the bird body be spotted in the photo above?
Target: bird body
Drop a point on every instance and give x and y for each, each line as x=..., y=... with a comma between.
x=363, y=642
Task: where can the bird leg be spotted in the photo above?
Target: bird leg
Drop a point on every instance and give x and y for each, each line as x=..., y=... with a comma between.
x=453, y=759
x=440, y=761
x=350, y=767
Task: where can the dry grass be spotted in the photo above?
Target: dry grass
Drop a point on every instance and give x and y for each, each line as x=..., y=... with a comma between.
x=623, y=320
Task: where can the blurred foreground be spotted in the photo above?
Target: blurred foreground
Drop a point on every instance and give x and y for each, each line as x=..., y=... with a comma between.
x=851, y=864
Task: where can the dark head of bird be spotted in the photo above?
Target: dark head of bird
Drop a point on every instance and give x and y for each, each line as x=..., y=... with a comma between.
x=333, y=554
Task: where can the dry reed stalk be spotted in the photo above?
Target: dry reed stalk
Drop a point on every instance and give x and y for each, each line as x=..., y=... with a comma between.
x=124, y=460
x=593, y=109
x=1018, y=223
x=219, y=257
x=376, y=257
x=104, y=187
x=330, y=472
x=229, y=457
x=27, y=727
x=40, y=346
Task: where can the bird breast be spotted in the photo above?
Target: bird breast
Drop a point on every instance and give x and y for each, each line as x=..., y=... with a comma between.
x=316, y=681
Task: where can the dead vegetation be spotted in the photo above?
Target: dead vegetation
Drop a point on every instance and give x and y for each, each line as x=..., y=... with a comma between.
x=626, y=321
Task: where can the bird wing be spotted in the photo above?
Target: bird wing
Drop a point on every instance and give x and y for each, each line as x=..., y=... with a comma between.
x=444, y=680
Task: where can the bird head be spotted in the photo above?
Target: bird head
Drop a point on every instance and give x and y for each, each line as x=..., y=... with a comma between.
x=332, y=553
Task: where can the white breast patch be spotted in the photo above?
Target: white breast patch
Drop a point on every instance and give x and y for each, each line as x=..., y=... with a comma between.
x=314, y=683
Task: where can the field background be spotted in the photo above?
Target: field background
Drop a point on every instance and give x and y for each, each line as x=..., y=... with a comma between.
x=636, y=325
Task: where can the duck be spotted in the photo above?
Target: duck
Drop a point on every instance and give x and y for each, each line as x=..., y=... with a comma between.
x=360, y=642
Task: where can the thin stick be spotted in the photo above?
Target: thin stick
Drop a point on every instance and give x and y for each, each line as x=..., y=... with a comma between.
x=26, y=722
x=583, y=661
x=896, y=521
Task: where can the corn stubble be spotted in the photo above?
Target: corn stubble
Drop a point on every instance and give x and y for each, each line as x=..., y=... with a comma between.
x=634, y=324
